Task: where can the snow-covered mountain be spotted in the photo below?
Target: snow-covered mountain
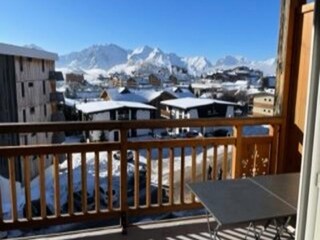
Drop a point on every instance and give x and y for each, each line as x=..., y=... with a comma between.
x=198, y=65
x=146, y=60
x=97, y=56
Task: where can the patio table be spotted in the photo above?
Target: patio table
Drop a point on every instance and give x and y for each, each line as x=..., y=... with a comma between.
x=249, y=200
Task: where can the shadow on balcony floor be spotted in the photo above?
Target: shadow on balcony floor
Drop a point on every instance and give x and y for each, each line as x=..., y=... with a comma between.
x=188, y=229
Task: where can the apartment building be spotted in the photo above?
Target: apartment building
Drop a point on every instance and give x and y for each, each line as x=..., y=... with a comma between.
x=27, y=94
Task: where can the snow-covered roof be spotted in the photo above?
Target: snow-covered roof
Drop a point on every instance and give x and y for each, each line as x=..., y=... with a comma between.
x=191, y=102
x=179, y=92
x=148, y=94
x=8, y=49
x=70, y=102
x=102, y=106
x=115, y=95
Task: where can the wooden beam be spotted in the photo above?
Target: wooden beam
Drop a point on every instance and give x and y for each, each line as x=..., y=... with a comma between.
x=286, y=45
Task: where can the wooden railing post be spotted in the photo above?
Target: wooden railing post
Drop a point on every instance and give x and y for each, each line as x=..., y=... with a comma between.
x=275, y=133
x=237, y=152
x=123, y=180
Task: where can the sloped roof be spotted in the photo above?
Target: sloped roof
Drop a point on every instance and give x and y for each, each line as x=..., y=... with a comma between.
x=8, y=49
x=115, y=95
x=102, y=106
x=191, y=102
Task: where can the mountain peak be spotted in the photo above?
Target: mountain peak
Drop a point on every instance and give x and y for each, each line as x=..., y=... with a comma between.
x=146, y=60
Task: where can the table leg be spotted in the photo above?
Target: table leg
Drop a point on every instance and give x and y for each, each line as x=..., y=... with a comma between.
x=213, y=232
x=282, y=227
x=257, y=235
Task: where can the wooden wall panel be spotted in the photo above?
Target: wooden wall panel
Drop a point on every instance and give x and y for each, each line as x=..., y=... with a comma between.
x=298, y=91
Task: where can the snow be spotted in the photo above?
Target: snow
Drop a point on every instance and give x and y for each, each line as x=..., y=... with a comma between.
x=132, y=96
x=5, y=196
x=268, y=66
x=189, y=102
x=8, y=49
x=103, y=173
x=71, y=102
x=97, y=56
x=101, y=106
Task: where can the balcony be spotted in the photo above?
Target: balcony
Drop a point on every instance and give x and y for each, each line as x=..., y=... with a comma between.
x=56, y=97
x=85, y=174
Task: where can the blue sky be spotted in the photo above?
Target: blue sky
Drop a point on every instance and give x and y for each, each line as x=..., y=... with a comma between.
x=212, y=28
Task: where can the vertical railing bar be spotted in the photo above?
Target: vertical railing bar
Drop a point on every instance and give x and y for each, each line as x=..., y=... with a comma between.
x=13, y=193
x=160, y=176
x=225, y=162
x=237, y=152
x=136, y=179
x=27, y=189
x=70, y=184
x=123, y=179
x=56, y=185
x=182, y=176
x=42, y=183
x=273, y=161
x=193, y=169
x=171, y=177
x=148, y=190
x=1, y=210
x=204, y=163
x=84, y=182
x=97, y=180
x=215, y=161
x=110, y=196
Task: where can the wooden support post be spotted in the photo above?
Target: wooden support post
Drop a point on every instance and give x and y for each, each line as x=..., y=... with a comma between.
x=237, y=152
x=273, y=161
x=123, y=180
x=286, y=46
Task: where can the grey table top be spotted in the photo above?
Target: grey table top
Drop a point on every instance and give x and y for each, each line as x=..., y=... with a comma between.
x=285, y=186
x=241, y=200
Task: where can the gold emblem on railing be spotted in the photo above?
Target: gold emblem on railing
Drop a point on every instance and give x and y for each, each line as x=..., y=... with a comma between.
x=258, y=166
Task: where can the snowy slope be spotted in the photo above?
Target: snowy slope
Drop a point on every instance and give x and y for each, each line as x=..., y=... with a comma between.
x=96, y=56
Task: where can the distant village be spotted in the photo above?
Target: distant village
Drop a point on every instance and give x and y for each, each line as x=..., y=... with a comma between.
x=234, y=92
x=33, y=91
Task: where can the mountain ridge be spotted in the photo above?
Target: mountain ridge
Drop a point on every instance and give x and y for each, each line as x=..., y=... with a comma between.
x=113, y=58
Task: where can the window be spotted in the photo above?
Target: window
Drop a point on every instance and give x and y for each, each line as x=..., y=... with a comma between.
x=44, y=87
x=42, y=65
x=24, y=115
x=30, y=84
x=22, y=89
x=32, y=110
x=45, y=110
x=25, y=140
x=21, y=64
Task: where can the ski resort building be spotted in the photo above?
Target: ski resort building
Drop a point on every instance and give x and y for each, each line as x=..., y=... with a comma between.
x=115, y=110
x=27, y=94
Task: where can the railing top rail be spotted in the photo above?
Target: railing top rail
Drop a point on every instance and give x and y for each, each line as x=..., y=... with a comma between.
x=134, y=124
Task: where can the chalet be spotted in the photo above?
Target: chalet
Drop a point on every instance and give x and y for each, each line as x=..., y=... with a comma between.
x=263, y=105
x=192, y=108
x=121, y=94
x=154, y=80
x=74, y=78
x=27, y=94
x=201, y=88
x=179, y=92
x=188, y=108
x=115, y=110
x=132, y=83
